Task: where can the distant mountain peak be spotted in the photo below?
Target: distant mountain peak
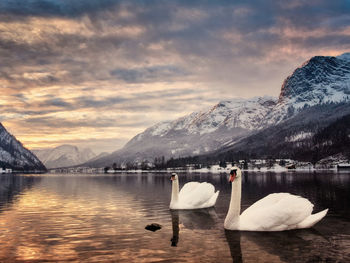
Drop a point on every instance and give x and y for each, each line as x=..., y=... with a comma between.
x=64, y=155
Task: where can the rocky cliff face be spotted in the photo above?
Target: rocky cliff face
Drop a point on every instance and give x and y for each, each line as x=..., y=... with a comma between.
x=320, y=80
x=14, y=155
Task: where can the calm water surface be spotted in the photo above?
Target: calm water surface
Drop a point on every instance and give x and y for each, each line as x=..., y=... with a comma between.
x=98, y=218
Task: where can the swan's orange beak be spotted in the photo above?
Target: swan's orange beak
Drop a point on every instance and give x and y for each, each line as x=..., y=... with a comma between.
x=232, y=177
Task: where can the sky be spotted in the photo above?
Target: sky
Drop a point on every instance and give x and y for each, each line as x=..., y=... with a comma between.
x=95, y=73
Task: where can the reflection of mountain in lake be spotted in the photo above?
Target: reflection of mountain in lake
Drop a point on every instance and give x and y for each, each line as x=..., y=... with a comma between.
x=95, y=218
x=13, y=185
x=309, y=185
x=305, y=245
x=295, y=244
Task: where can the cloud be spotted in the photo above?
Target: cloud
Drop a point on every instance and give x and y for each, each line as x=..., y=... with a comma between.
x=124, y=65
x=147, y=74
x=53, y=7
x=84, y=123
x=56, y=102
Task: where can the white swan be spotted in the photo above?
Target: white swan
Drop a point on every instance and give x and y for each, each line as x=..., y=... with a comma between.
x=275, y=212
x=193, y=195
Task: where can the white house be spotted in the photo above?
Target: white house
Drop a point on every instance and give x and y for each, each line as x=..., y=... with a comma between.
x=5, y=170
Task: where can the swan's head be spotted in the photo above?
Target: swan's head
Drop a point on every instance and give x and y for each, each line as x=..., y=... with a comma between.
x=173, y=177
x=234, y=173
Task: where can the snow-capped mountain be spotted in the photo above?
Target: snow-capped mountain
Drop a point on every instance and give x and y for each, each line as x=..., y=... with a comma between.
x=237, y=113
x=319, y=81
x=14, y=155
x=196, y=133
x=101, y=155
x=314, y=96
x=64, y=156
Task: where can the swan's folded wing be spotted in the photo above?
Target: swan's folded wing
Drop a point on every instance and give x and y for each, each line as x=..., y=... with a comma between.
x=196, y=194
x=188, y=188
x=276, y=212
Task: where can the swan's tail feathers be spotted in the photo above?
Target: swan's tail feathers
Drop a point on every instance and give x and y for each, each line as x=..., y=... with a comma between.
x=312, y=219
x=212, y=200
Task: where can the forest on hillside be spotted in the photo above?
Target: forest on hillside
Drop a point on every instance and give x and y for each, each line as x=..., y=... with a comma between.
x=330, y=140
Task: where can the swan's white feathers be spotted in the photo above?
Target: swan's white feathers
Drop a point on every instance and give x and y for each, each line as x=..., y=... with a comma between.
x=195, y=195
x=276, y=212
x=212, y=199
x=188, y=188
x=312, y=219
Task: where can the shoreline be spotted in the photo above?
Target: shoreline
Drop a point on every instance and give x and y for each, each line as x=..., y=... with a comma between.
x=208, y=171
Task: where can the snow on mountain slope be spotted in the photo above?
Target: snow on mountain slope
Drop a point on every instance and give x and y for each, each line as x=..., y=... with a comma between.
x=318, y=81
x=64, y=156
x=345, y=56
x=196, y=133
x=101, y=155
x=238, y=113
x=14, y=155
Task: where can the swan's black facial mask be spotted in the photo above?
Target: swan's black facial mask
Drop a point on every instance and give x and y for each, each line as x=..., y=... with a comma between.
x=233, y=175
x=172, y=178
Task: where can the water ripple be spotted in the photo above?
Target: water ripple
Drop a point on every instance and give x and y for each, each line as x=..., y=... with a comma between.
x=101, y=219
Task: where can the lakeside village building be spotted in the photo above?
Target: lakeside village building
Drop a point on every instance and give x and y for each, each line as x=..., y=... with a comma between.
x=5, y=170
x=252, y=164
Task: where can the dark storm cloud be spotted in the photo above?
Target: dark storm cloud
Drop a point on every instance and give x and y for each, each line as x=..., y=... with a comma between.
x=190, y=28
x=261, y=13
x=53, y=7
x=247, y=16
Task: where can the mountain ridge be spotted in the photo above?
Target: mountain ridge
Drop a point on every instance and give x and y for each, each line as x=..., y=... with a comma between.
x=14, y=155
x=194, y=133
x=64, y=156
x=321, y=80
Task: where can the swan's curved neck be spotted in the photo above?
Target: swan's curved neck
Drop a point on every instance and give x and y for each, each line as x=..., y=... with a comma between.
x=234, y=211
x=174, y=192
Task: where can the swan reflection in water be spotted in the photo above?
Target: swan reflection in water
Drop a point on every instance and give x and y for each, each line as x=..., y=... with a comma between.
x=191, y=219
x=176, y=229
x=278, y=246
x=234, y=241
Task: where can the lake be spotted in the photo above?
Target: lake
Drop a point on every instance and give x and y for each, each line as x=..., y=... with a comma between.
x=102, y=218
